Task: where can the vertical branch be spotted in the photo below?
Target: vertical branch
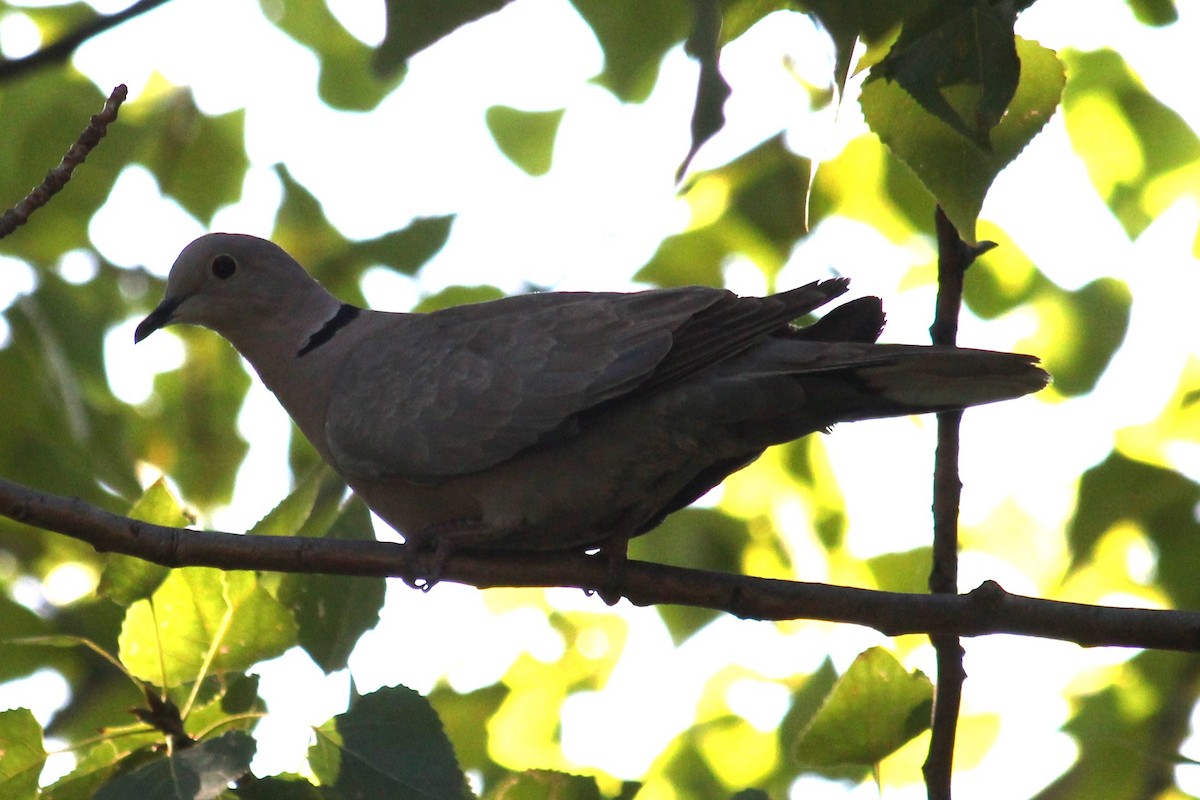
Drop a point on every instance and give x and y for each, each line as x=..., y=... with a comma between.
x=954, y=256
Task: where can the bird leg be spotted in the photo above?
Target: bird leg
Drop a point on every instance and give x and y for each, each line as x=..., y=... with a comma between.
x=615, y=551
x=439, y=540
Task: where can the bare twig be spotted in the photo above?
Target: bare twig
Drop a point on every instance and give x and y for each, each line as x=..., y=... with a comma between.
x=62, y=49
x=57, y=178
x=986, y=610
x=954, y=256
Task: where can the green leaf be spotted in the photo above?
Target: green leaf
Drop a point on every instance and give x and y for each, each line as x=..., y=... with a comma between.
x=201, y=772
x=700, y=538
x=389, y=744
x=197, y=610
x=634, y=38
x=712, y=90
x=347, y=80
x=127, y=579
x=457, y=296
x=232, y=705
x=544, y=784
x=1141, y=155
x=413, y=25
x=525, y=137
x=1158, y=13
x=902, y=572
x=872, y=711
x=199, y=160
x=333, y=611
x=41, y=116
x=191, y=433
x=23, y=754
x=849, y=21
x=98, y=763
x=752, y=206
x=286, y=786
x=302, y=229
x=461, y=715
x=959, y=62
x=1160, y=502
x=953, y=168
x=314, y=501
x=1101, y=308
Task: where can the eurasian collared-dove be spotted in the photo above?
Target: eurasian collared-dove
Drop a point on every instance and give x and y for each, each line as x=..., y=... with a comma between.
x=559, y=420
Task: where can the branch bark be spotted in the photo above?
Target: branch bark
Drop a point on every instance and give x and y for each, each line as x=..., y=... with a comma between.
x=986, y=610
x=57, y=178
x=62, y=49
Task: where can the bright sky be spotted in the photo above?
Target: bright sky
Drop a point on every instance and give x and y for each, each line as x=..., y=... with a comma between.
x=589, y=224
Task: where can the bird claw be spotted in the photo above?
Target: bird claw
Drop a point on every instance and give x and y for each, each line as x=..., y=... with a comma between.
x=616, y=553
x=425, y=564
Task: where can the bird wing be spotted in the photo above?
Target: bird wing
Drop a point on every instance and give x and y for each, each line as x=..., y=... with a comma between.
x=456, y=391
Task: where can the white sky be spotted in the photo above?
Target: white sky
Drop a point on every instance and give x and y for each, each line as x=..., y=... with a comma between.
x=589, y=224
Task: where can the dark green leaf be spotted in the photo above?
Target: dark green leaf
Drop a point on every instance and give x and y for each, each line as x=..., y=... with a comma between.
x=634, y=37
x=191, y=433
x=347, y=79
x=201, y=772
x=872, y=711
x=462, y=715
x=314, y=502
x=63, y=430
x=1160, y=502
x=952, y=167
x=302, y=229
x=389, y=744
x=23, y=754
x=959, y=63
x=700, y=538
x=413, y=25
x=198, y=159
x=40, y=118
x=761, y=216
x=1129, y=733
x=1155, y=12
x=704, y=45
x=282, y=787
x=525, y=137
x=543, y=784
x=333, y=611
x=849, y=21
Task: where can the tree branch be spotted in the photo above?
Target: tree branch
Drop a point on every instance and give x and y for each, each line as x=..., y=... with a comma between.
x=953, y=259
x=62, y=49
x=57, y=178
x=986, y=610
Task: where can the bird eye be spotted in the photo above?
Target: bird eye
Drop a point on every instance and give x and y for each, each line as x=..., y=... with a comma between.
x=223, y=266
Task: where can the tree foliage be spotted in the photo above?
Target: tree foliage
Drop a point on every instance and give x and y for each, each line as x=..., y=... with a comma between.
x=941, y=98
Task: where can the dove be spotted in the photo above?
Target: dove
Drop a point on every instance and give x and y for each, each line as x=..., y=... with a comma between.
x=560, y=420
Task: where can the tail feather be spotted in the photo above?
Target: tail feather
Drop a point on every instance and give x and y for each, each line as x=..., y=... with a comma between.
x=934, y=378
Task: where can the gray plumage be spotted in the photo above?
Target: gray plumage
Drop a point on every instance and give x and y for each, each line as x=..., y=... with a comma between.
x=560, y=420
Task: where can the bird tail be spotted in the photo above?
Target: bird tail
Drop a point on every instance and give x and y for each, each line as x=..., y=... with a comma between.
x=909, y=379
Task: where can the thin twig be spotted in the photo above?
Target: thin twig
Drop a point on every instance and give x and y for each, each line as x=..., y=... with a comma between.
x=954, y=257
x=57, y=178
x=62, y=49
x=986, y=610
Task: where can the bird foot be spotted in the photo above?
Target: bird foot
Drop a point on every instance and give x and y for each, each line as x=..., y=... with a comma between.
x=616, y=553
x=432, y=547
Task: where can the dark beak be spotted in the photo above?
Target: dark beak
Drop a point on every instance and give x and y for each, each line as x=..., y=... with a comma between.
x=158, y=318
